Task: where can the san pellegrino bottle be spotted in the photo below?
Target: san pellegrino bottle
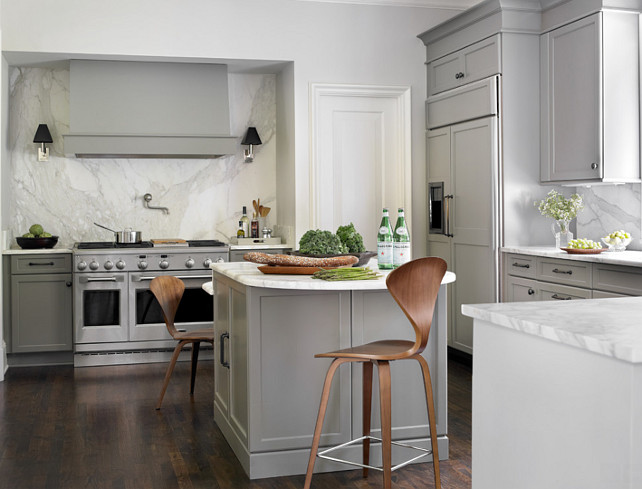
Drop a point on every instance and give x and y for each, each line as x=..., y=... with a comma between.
x=401, y=241
x=384, y=243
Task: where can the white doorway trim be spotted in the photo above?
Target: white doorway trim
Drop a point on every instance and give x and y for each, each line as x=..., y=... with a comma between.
x=394, y=170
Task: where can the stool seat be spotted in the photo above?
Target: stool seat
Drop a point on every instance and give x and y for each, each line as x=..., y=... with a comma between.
x=376, y=350
x=414, y=286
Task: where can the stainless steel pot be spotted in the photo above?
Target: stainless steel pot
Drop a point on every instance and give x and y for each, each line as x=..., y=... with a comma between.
x=125, y=236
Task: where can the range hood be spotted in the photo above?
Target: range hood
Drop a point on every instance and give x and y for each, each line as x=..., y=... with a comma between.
x=127, y=109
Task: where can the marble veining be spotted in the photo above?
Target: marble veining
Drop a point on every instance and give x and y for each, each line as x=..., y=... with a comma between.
x=609, y=327
x=67, y=195
x=629, y=258
x=248, y=274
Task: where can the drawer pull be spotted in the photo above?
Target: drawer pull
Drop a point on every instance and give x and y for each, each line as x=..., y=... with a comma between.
x=566, y=272
x=222, y=350
x=520, y=265
x=531, y=291
x=560, y=298
x=47, y=264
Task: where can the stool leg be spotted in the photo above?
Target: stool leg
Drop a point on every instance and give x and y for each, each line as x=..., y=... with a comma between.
x=322, y=408
x=383, y=368
x=367, y=410
x=170, y=369
x=432, y=421
x=195, y=348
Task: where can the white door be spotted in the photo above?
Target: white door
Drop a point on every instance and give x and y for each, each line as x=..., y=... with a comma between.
x=360, y=156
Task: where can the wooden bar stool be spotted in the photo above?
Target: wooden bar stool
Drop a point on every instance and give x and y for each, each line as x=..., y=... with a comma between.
x=414, y=286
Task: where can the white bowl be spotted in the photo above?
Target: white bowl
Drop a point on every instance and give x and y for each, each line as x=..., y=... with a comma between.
x=616, y=244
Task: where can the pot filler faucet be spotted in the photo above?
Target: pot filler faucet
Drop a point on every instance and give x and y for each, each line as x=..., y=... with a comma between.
x=148, y=198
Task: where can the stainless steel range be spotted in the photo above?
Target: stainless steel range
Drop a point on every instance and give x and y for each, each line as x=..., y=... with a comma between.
x=116, y=318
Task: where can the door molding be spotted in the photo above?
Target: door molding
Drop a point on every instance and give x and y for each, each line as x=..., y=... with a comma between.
x=398, y=162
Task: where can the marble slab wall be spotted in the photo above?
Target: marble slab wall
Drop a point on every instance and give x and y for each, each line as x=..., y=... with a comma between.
x=608, y=208
x=67, y=195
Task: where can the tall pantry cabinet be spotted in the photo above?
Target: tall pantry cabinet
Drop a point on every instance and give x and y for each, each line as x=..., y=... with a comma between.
x=482, y=129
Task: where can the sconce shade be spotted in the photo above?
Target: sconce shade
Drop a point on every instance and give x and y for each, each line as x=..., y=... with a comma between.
x=43, y=135
x=251, y=137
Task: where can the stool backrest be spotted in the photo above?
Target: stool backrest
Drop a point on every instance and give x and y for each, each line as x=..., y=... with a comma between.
x=415, y=286
x=168, y=291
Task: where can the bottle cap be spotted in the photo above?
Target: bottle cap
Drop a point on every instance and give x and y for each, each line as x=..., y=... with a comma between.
x=244, y=209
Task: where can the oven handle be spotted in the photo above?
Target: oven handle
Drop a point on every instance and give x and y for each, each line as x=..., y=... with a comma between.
x=142, y=278
x=85, y=280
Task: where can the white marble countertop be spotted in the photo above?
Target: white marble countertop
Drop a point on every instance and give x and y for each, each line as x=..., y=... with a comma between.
x=610, y=327
x=247, y=273
x=43, y=251
x=629, y=258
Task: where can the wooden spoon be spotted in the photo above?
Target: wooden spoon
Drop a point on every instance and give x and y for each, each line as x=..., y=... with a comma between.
x=265, y=211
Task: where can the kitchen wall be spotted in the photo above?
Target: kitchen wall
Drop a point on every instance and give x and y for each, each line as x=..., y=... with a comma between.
x=66, y=195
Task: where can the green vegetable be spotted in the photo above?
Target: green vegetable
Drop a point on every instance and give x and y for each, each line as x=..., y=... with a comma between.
x=351, y=238
x=28, y=235
x=36, y=229
x=317, y=242
x=45, y=235
x=352, y=273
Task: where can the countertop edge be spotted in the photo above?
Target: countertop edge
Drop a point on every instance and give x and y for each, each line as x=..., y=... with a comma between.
x=625, y=258
x=39, y=251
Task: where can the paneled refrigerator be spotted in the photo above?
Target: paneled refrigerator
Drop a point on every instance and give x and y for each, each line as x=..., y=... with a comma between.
x=464, y=175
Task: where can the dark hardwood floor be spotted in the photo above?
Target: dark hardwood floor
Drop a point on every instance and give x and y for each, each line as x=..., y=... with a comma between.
x=97, y=428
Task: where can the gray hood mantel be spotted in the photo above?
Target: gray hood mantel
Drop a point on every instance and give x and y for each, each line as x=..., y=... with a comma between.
x=126, y=109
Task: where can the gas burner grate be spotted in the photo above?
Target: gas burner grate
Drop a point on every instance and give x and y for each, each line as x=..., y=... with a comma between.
x=205, y=242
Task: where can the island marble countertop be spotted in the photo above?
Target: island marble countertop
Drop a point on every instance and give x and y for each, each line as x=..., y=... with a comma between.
x=629, y=258
x=248, y=274
x=609, y=327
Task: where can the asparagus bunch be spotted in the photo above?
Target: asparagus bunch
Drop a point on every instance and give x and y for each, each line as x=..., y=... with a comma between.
x=349, y=273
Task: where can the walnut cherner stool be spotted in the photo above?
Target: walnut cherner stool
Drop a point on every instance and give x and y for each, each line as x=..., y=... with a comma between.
x=414, y=286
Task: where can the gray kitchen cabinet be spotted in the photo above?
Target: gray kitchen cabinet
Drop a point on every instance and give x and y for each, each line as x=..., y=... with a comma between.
x=528, y=277
x=475, y=62
x=41, y=303
x=590, y=100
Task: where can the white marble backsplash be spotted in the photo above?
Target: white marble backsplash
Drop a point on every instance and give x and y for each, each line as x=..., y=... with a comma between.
x=67, y=195
x=608, y=208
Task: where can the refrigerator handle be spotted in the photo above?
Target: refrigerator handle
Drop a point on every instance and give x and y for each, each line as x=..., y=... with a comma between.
x=448, y=198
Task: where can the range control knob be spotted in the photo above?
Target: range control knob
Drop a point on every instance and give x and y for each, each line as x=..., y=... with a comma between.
x=94, y=265
x=82, y=265
x=207, y=262
x=164, y=264
x=220, y=260
x=142, y=265
x=189, y=263
x=120, y=264
x=108, y=265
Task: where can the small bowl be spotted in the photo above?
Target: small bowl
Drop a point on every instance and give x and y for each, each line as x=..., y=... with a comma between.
x=616, y=244
x=364, y=257
x=36, y=243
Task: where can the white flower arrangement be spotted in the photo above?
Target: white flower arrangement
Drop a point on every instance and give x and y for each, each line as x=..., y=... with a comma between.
x=559, y=207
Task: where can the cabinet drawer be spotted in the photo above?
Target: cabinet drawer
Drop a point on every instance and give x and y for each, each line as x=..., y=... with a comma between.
x=519, y=289
x=521, y=265
x=549, y=292
x=472, y=63
x=565, y=272
x=25, y=264
x=622, y=280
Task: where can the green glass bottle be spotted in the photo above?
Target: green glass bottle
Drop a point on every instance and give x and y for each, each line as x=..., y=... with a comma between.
x=401, y=241
x=384, y=243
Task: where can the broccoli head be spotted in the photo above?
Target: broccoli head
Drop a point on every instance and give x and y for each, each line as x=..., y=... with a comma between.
x=351, y=238
x=317, y=242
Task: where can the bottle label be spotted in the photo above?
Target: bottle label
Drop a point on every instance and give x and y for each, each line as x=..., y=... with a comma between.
x=384, y=252
x=401, y=253
x=383, y=230
x=401, y=231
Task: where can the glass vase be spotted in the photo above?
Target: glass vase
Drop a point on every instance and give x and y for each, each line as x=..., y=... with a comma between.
x=562, y=233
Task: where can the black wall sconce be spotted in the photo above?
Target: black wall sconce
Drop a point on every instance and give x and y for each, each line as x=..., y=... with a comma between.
x=251, y=138
x=43, y=136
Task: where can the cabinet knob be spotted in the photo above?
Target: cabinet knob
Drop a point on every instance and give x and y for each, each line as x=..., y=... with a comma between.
x=531, y=291
x=593, y=166
x=68, y=284
x=459, y=75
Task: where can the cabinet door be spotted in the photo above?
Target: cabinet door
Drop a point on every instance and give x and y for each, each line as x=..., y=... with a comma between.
x=472, y=63
x=520, y=289
x=41, y=313
x=571, y=101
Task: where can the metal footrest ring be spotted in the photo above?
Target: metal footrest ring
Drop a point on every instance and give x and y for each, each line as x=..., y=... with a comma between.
x=323, y=453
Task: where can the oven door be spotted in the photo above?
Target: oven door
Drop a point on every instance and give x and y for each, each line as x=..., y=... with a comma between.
x=196, y=309
x=100, y=307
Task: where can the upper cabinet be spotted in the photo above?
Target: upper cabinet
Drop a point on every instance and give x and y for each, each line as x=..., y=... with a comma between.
x=590, y=131
x=475, y=62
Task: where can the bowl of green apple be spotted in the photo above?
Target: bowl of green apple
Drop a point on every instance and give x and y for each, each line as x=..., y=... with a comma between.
x=617, y=240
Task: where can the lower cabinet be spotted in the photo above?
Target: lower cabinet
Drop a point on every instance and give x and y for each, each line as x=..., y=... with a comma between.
x=536, y=278
x=41, y=303
x=268, y=383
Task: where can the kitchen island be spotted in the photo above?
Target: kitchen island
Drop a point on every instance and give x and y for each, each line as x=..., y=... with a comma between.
x=557, y=394
x=268, y=384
